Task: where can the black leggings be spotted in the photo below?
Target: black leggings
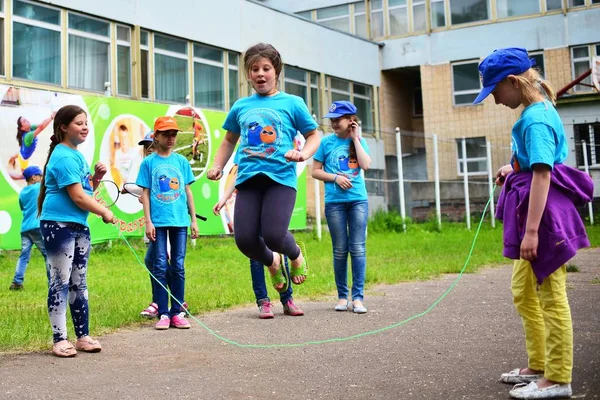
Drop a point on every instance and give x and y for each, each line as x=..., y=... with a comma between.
x=264, y=208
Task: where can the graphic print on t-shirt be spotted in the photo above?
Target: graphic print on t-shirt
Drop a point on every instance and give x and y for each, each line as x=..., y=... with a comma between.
x=166, y=184
x=262, y=133
x=343, y=161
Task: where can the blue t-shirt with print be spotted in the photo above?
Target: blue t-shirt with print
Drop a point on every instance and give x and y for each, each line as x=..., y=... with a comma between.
x=28, y=202
x=65, y=167
x=167, y=177
x=267, y=126
x=338, y=158
x=538, y=137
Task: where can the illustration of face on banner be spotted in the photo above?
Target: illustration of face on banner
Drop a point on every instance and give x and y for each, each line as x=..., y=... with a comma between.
x=28, y=115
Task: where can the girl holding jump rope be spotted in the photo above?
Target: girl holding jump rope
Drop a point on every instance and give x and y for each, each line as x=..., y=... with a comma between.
x=542, y=228
x=64, y=204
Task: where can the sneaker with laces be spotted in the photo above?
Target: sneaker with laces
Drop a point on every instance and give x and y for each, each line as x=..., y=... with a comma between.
x=163, y=323
x=265, y=311
x=178, y=321
x=532, y=391
x=290, y=308
x=150, y=312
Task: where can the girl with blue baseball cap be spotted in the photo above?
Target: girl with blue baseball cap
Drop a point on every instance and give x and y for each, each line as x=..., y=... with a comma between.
x=542, y=228
x=338, y=163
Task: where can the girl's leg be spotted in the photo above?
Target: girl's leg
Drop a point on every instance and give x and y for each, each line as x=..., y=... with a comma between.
x=523, y=286
x=149, y=261
x=337, y=221
x=248, y=206
x=277, y=207
x=78, y=292
x=257, y=271
x=358, y=214
x=60, y=248
x=178, y=237
x=160, y=271
x=553, y=299
x=26, y=245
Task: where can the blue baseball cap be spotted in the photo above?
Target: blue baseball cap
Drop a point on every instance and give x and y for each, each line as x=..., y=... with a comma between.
x=31, y=171
x=148, y=138
x=500, y=64
x=341, y=108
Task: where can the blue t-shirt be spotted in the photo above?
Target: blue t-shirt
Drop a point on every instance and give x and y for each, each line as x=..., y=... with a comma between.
x=65, y=167
x=28, y=202
x=267, y=126
x=167, y=177
x=337, y=158
x=538, y=137
x=28, y=143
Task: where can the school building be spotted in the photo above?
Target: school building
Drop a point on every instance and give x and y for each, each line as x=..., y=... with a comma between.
x=410, y=64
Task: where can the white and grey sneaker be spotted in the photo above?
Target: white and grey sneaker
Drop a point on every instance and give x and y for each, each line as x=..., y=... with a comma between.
x=531, y=391
x=515, y=376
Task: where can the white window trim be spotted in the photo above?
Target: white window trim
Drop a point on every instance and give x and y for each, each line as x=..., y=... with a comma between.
x=184, y=56
x=38, y=24
x=470, y=173
x=446, y=17
x=591, y=51
x=100, y=38
x=461, y=92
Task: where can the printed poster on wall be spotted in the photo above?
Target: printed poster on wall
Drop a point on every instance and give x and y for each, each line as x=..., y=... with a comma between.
x=115, y=128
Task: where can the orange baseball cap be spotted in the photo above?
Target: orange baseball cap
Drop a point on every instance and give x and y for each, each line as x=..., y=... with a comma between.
x=165, y=124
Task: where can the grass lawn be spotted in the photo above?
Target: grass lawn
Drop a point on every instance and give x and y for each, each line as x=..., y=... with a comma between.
x=218, y=277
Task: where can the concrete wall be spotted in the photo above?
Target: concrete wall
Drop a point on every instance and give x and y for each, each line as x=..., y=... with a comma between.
x=546, y=32
x=237, y=24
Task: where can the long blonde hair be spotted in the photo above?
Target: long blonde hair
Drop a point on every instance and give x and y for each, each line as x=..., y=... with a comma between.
x=532, y=84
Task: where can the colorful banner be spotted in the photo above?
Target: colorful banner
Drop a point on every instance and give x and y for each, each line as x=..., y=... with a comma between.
x=115, y=128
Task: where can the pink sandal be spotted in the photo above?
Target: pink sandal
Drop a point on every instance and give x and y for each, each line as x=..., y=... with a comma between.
x=151, y=311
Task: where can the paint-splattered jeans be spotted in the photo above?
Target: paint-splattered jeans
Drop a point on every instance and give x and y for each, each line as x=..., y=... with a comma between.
x=68, y=249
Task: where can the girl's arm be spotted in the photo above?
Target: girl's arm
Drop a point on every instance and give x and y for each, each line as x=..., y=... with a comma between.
x=192, y=211
x=99, y=172
x=310, y=147
x=319, y=173
x=229, y=189
x=538, y=196
x=150, y=230
x=43, y=125
x=364, y=160
x=85, y=202
x=223, y=155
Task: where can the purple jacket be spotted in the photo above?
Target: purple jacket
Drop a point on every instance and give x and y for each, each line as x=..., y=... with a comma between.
x=561, y=232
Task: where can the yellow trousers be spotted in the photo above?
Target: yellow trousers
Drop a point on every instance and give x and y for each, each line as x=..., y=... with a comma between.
x=546, y=317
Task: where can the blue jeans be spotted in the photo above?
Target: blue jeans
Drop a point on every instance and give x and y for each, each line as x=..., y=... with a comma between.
x=257, y=270
x=348, y=228
x=149, y=261
x=162, y=266
x=68, y=248
x=28, y=239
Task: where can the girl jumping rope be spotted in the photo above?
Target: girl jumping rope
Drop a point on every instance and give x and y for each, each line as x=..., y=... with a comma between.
x=267, y=123
x=338, y=162
x=542, y=228
x=64, y=203
x=167, y=198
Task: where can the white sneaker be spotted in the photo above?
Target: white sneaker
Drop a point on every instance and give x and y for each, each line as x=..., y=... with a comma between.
x=361, y=309
x=531, y=391
x=515, y=376
x=342, y=307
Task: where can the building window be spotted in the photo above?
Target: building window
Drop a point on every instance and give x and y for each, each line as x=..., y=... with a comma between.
x=538, y=56
x=581, y=61
x=304, y=84
x=476, y=156
x=465, y=11
x=466, y=83
x=89, y=53
x=438, y=14
x=377, y=24
x=374, y=182
x=340, y=89
x=123, y=60
x=209, y=77
x=170, y=69
x=144, y=63
x=554, y=5
x=364, y=104
x=591, y=134
x=360, y=20
x=36, y=43
x=419, y=16
x=398, y=13
x=234, y=80
x=576, y=3
x=337, y=17
x=513, y=8
x=305, y=14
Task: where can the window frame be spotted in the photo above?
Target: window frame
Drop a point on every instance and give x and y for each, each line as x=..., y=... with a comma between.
x=541, y=3
x=481, y=21
x=388, y=19
x=459, y=161
x=149, y=68
x=463, y=92
x=347, y=16
x=38, y=24
x=592, y=52
x=168, y=53
x=119, y=42
x=92, y=36
x=307, y=84
x=212, y=63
